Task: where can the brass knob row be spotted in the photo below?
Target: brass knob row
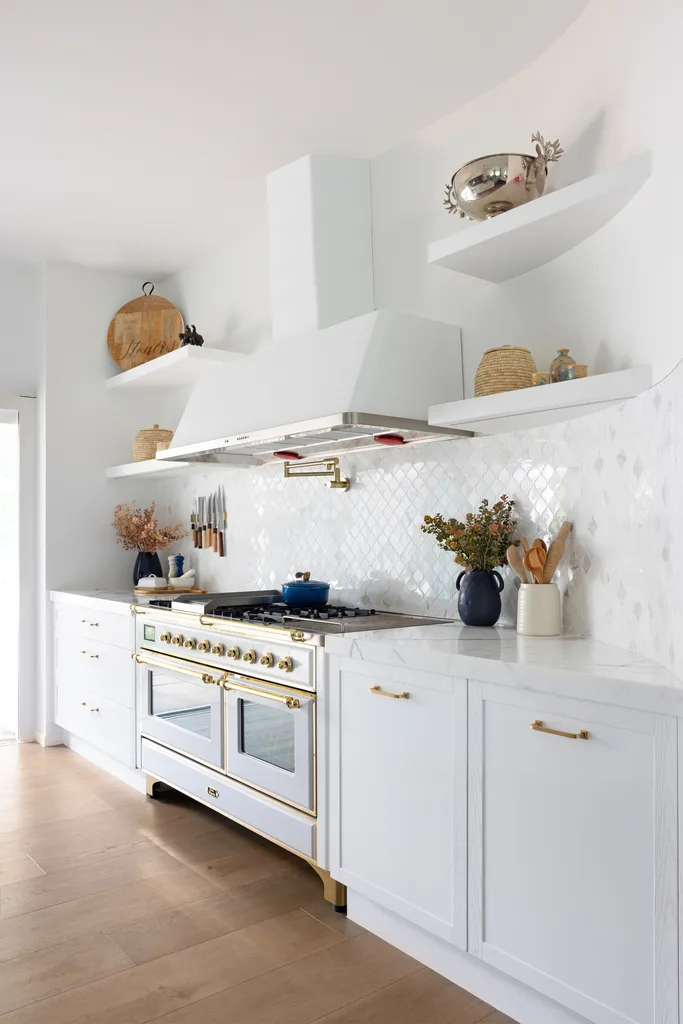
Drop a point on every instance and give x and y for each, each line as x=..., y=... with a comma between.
x=250, y=656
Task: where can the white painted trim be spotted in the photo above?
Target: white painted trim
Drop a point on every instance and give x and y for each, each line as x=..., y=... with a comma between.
x=25, y=408
x=475, y=797
x=666, y=951
x=505, y=994
x=131, y=776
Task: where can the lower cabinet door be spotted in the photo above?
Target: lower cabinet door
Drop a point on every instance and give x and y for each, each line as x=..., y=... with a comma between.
x=398, y=791
x=572, y=866
x=108, y=726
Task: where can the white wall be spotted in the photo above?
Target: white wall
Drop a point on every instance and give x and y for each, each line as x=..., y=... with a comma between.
x=227, y=295
x=609, y=89
x=20, y=328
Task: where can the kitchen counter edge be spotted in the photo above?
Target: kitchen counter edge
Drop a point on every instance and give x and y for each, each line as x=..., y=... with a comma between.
x=116, y=601
x=565, y=666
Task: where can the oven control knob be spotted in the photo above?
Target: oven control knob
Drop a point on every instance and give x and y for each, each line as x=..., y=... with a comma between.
x=203, y=645
x=217, y=649
x=234, y=653
x=285, y=665
x=190, y=644
x=165, y=638
x=177, y=641
x=267, y=659
x=250, y=657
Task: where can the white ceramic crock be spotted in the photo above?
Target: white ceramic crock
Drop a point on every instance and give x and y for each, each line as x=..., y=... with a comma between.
x=538, y=610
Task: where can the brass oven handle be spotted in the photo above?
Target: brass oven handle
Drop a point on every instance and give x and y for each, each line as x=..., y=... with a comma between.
x=291, y=702
x=171, y=663
x=386, y=693
x=538, y=726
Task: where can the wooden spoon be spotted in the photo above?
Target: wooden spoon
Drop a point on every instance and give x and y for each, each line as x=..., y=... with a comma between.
x=538, y=543
x=534, y=561
x=555, y=551
x=515, y=562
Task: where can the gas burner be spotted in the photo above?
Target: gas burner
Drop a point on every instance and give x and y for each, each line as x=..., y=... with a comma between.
x=278, y=612
x=158, y=603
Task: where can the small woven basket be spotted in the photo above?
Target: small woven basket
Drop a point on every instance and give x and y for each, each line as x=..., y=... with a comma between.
x=146, y=441
x=163, y=446
x=508, y=368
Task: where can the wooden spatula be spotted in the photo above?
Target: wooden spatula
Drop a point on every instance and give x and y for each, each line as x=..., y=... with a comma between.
x=515, y=562
x=534, y=561
x=555, y=551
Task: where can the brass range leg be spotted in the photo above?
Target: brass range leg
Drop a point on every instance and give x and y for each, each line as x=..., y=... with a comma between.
x=333, y=891
x=150, y=783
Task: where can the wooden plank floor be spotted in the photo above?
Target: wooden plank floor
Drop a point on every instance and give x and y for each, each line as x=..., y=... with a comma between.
x=117, y=909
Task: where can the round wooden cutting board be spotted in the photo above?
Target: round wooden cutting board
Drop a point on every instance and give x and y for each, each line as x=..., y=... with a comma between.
x=143, y=329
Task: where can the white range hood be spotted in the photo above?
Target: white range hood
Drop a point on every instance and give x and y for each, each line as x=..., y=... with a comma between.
x=322, y=386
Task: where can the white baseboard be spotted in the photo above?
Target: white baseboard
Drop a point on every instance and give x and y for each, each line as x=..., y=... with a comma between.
x=506, y=994
x=54, y=737
x=131, y=776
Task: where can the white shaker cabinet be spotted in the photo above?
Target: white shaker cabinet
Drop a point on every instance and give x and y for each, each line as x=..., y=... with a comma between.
x=398, y=791
x=572, y=851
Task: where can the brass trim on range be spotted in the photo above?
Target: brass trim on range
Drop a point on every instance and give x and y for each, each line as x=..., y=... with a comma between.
x=176, y=665
x=293, y=703
x=538, y=726
x=387, y=693
x=234, y=627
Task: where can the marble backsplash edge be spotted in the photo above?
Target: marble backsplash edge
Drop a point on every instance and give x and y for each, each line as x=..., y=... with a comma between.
x=613, y=473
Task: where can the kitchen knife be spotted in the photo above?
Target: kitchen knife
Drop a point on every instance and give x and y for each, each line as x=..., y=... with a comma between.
x=214, y=512
x=192, y=527
x=208, y=519
x=221, y=520
x=205, y=523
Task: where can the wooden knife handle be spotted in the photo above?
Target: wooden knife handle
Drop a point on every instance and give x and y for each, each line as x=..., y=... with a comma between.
x=215, y=540
x=221, y=544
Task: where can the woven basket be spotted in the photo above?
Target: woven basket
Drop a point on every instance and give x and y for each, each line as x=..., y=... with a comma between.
x=504, y=369
x=163, y=446
x=146, y=441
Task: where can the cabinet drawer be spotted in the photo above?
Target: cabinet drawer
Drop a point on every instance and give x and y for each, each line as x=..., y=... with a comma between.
x=99, y=667
x=249, y=808
x=102, y=723
x=107, y=627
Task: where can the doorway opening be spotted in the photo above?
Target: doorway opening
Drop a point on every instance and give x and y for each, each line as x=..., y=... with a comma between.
x=9, y=574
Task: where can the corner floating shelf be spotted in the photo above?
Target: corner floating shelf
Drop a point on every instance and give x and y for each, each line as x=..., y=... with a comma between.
x=150, y=467
x=179, y=368
x=527, y=237
x=539, y=406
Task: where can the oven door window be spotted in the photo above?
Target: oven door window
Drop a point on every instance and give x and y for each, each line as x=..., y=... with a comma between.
x=181, y=701
x=267, y=734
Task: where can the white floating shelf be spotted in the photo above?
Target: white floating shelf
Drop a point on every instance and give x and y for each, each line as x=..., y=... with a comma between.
x=179, y=368
x=150, y=467
x=527, y=237
x=548, y=403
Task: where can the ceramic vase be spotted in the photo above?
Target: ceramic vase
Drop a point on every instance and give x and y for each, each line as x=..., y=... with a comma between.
x=538, y=610
x=479, y=597
x=146, y=564
x=559, y=368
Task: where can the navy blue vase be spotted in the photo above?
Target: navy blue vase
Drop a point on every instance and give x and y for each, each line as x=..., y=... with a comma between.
x=479, y=597
x=146, y=564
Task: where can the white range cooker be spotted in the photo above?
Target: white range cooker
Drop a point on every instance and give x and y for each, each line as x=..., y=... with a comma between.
x=232, y=708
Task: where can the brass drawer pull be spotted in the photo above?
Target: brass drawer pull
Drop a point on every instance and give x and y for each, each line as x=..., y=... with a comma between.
x=90, y=655
x=386, y=693
x=84, y=705
x=211, y=791
x=86, y=623
x=538, y=726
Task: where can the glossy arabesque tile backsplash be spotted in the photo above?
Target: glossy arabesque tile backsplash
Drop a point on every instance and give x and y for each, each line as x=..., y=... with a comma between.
x=615, y=474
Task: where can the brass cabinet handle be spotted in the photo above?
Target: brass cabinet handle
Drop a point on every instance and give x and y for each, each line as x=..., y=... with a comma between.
x=211, y=791
x=386, y=693
x=538, y=726
x=84, y=705
x=291, y=702
x=175, y=665
x=90, y=655
x=86, y=623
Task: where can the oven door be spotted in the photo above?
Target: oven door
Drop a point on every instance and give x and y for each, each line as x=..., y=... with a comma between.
x=181, y=707
x=270, y=739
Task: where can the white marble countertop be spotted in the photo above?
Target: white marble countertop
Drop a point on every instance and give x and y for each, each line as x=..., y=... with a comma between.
x=564, y=665
x=117, y=601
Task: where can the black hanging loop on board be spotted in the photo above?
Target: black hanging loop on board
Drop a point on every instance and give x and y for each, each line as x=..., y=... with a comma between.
x=151, y=288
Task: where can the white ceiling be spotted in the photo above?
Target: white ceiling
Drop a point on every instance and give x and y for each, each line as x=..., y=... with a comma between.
x=137, y=133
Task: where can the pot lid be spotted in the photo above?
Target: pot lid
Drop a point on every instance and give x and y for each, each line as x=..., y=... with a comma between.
x=303, y=580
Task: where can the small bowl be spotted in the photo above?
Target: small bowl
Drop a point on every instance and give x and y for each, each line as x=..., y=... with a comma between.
x=542, y=377
x=577, y=371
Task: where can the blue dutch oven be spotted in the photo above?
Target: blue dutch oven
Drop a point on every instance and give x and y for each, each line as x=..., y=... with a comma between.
x=303, y=592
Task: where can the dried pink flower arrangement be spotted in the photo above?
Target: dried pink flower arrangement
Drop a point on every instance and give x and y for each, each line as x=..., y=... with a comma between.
x=138, y=530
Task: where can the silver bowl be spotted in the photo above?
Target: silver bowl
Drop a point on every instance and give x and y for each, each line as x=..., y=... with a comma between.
x=490, y=185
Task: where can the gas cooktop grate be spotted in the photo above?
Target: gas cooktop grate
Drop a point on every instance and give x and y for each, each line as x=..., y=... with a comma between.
x=279, y=612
